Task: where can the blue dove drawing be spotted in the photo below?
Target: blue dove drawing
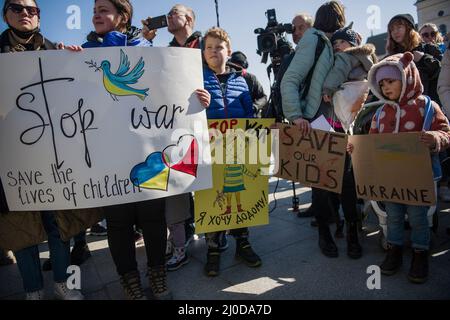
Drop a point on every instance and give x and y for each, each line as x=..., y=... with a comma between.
x=118, y=84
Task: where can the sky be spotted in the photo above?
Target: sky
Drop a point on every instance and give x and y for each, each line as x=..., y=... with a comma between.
x=238, y=17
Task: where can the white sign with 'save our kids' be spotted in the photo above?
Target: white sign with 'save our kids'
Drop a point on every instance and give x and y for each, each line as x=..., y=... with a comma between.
x=101, y=127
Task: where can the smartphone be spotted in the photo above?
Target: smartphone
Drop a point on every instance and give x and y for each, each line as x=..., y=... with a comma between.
x=157, y=23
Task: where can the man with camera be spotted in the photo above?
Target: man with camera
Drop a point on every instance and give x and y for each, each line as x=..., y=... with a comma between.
x=180, y=22
x=300, y=24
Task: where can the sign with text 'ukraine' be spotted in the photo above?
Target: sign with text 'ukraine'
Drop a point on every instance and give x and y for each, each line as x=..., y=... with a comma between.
x=101, y=127
x=393, y=167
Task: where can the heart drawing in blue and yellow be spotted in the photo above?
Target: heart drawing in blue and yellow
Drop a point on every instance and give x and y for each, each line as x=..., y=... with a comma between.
x=117, y=84
x=154, y=173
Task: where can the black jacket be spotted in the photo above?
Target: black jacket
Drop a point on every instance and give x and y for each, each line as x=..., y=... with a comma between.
x=259, y=98
x=429, y=68
x=255, y=88
x=194, y=41
x=5, y=45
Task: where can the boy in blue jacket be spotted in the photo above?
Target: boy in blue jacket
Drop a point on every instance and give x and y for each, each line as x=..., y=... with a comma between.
x=230, y=98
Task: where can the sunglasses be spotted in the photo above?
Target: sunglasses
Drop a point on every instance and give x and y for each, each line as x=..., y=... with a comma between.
x=428, y=35
x=17, y=8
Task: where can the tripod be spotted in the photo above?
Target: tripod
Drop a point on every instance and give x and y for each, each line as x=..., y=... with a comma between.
x=275, y=101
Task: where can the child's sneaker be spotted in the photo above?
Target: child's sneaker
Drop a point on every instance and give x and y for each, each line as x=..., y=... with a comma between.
x=5, y=258
x=179, y=259
x=245, y=252
x=35, y=295
x=63, y=293
x=212, y=266
x=98, y=230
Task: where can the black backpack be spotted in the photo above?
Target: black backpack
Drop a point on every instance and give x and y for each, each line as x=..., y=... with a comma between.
x=274, y=107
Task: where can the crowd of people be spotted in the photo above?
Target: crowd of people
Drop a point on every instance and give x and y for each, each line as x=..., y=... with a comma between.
x=411, y=82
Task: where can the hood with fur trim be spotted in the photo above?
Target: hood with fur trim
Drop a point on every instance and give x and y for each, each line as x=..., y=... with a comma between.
x=365, y=54
x=412, y=87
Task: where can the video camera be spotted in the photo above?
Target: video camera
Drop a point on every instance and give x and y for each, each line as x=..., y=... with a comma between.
x=272, y=40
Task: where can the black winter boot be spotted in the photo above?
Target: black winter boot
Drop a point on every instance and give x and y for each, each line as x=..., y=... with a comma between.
x=393, y=260
x=245, y=252
x=418, y=273
x=326, y=242
x=354, y=249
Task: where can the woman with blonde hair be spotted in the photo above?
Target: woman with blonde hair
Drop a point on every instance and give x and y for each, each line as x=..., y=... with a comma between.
x=429, y=33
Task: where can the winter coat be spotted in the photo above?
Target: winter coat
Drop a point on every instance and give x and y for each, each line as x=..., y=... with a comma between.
x=193, y=42
x=117, y=39
x=407, y=115
x=351, y=65
x=293, y=106
x=429, y=67
x=444, y=83
x=19, y=230
x=5, y=45
x=259, y=98
x=233, y=101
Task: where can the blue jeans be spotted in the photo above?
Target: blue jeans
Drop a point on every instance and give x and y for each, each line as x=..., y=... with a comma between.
x=417, y=216
x=29, y=262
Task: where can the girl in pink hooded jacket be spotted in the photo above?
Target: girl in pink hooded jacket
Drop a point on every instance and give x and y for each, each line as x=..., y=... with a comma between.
x=396, y=81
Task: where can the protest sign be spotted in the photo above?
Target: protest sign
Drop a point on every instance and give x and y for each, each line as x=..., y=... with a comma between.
x=315, y=160
x=101, y=127
x=239, y=196
x=394, y=168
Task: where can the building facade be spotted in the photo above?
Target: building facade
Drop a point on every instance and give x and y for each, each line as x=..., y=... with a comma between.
x=435, y=11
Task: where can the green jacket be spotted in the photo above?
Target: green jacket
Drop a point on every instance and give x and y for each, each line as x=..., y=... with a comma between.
x=22, y=229
x=351, y=65
x=293, y=107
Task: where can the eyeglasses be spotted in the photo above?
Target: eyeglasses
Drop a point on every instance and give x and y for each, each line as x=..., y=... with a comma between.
x=432, y=34
x=17, y=8
x=175, y=13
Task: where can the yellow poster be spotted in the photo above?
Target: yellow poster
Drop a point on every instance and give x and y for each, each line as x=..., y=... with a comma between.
x=241, y=158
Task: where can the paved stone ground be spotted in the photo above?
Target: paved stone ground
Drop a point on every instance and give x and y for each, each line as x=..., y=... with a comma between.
x=293, y=267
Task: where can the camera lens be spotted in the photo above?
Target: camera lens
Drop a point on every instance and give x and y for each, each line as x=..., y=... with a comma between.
x=267, y=42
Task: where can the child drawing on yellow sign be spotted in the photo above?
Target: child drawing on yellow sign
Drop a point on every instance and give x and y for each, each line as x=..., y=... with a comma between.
x=234, y=183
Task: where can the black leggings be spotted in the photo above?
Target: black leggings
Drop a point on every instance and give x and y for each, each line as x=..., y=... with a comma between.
x=324, y=202
x=147, y=215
